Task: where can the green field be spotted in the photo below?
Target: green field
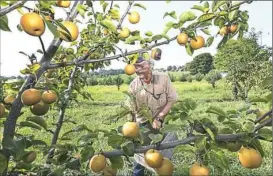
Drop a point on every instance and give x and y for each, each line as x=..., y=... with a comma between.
x=94, y=114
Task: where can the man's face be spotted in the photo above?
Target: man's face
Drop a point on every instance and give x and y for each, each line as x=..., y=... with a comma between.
x=142, y=69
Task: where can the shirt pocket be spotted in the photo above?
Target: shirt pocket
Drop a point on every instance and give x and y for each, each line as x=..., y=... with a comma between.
x=162, y=100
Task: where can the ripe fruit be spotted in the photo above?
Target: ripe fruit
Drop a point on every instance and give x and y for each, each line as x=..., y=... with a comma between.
x=124, y=33
x=109, y=171
x=64, y=4
x=129, y=69
x=30, y=97
x=2, y=110
x=130, y=129
x=156, y=54
x=39, y=109
x=30, y=157
x=223, y=30
x=197, y=43
x=199, y=169
x=153, y=158
x=233, y=146
x=233, y=28
x=49, y=96
x=97, y=163
x=182, y=39
x=134, y=17
x=73, y=30
x=9, y=99
x=166, y=167
x=249, y=157
x=32, y=24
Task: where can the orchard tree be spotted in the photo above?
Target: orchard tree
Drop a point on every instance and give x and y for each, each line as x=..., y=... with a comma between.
x=213, y=76
x=56, y=81
x=201, y=63
x=246, y=62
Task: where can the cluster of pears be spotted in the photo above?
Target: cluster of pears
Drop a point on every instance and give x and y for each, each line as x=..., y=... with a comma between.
x=34, y=25
x=228, y=29
x=196, y=43
x=8, y=100
x=98, y=164
x=155, y=160
x=38, y=102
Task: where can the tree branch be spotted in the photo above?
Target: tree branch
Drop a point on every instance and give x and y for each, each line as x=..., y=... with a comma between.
x=61, y=116
x=14, y=6
x=188, y=140
x=266, y=122
x=80, y=62
x=111, y=4
x=124, y=15
x=263, y=116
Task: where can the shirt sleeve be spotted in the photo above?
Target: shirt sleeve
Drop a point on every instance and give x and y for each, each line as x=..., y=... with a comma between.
x=172, y=95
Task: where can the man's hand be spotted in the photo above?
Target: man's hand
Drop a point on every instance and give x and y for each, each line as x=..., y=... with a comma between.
x=156, y=124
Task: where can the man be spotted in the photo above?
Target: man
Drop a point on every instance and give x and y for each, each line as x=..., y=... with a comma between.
x=155, y=91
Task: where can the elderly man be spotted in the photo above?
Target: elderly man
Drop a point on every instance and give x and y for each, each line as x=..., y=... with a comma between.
x=155, y=91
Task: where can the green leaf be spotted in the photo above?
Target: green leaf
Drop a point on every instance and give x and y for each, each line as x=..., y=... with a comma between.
x=248, y=126
x=206, y=31
x=86, y=153
x=22, y=165
x=187, y=16
x=140, y=5
x=200, y=143
x=208, y=130
x=38, y=120
x=184, y=149
x=206, y=5
x=77, y=129
x=155, y=137
x=3, y=4
x=4, y=23
x=116, y=5
x=168, y=26
x=3, y=163
x=115, y=140
x=222, y=13
x=189, y=49
x=9, y=143
x=129, y=148
x=38, y=142
x=171, y=14
x=222, y=42
x=149, y=33
x=157, y=37
x=206, y=17
x=233, y=15
x=89, y=3
x=257, y=145
x=209, y=41
x=183, y=116
x=109, y=25
x=135, y=33
x=198, y=7
x=52, y=28
x=267, y=82
x=217, y=5
x=132, y=39
x=104, y=6
x=217, y=111
x=116, y=162
x=114, y=13
x=30, y=125
x=88, y=138
x=168, y=1
x=219, y=21
x=265, y=133
x=219, y=159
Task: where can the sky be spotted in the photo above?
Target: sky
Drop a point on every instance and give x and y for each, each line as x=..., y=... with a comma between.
x=260, y=17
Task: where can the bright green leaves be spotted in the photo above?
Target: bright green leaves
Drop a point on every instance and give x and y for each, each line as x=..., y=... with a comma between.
x=116, y=162
x=4, y=23
x=206, y=17
x=32, y=69
x=108, y=24
x=140, y=5
x=171, y=14
x=3, y=163
x=219, y=159
x=155, y=138
x=86, y=153
x=168, y=26
x=187, y=16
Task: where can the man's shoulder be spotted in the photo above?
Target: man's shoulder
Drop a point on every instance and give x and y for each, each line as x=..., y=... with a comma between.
x=160, y=74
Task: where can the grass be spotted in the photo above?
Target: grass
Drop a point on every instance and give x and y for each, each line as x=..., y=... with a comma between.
x=107, y=99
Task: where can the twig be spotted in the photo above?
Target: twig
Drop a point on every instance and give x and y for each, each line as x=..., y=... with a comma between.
x=111, y=4
x=12, y=7
x=263, y=116
x=124, y=15
x=42, y=43
x=61, y=116
x=266, y=122
x=111, y=57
